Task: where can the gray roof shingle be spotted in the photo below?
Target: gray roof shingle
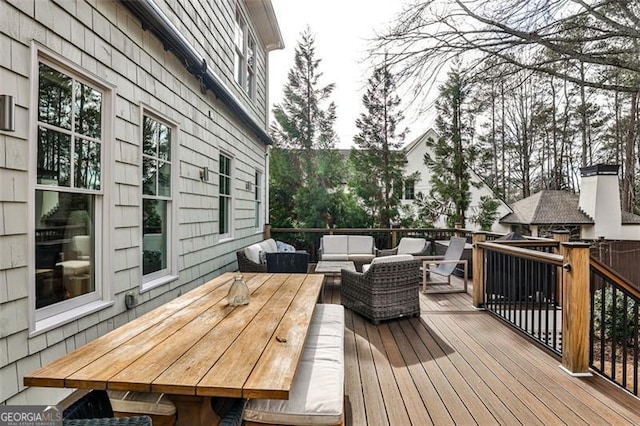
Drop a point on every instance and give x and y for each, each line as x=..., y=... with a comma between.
x=548, y=207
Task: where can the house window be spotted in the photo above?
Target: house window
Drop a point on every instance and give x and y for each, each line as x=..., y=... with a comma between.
x=157, y=145
x=409, y=190
x=239, y=43
x=225, y=196
x=257, y=198
x=68, y=197
x=251, y=68
x=244, y=56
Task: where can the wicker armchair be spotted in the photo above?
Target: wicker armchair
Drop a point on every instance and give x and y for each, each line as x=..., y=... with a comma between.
x=94, y=408
x=387, y=290
x=413, y=246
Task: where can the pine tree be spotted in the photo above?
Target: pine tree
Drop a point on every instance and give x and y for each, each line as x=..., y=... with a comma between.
x=379, y=163
x=452, y=153
x=303, y=127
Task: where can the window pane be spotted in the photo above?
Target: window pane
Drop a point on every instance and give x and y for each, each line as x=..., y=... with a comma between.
x=237, y=67
x=150, y=137
x=164, y=142
x=238, y=33
x=257, y=187
x=149, y=174
x=251, y=62
x=88, y=111
x=87, y=164
x=54, y=97
x=64, y=246
x=154, y=236
x=225, y=165
x=54, y=153
x=164, y=179
x=224, y=215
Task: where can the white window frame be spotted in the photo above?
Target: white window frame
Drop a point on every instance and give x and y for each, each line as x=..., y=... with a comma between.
x=50, y=317
x=229, y=234
x=239, y=50
x=247, y=67
x=257, y=197
x=406, y=192
x=170, y=273
x=250, y=83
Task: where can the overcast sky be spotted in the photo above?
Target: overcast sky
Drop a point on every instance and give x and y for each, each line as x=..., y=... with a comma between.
x=341, y=28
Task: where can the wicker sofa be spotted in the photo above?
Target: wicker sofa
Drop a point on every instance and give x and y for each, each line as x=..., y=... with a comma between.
x=360, y=249
x=390, y=288
x=253, y=258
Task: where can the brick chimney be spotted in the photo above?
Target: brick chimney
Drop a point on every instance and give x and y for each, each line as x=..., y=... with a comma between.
x=600, y=199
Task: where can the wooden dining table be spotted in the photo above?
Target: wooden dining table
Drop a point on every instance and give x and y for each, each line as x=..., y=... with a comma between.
x=197, y=347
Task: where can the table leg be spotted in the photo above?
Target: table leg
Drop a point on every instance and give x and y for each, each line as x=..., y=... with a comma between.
x=194, y=410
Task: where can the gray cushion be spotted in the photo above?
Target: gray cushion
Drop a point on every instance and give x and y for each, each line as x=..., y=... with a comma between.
x=284, y=247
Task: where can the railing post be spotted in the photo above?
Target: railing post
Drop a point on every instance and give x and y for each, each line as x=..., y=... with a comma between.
x=267, y=231
x=561, y=236
x=394, y=239
x=478, y=268
x=575, y=311
x=458, y=232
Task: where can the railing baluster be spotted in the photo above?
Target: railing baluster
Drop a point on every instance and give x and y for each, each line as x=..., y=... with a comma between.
x=521, y=279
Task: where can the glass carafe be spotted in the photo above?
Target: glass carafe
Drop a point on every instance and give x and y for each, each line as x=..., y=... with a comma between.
x=239, y=292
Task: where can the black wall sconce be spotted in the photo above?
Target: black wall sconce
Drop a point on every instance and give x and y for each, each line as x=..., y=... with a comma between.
x=7, y=119
x=204, y=174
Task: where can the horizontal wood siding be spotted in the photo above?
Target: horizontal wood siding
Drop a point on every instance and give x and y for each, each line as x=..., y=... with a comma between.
x=104, y=38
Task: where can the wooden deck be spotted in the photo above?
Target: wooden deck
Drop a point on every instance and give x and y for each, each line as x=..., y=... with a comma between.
x=457, y=365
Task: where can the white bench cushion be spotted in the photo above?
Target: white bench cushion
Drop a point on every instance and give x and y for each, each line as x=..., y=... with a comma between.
x=269, y=245
x=411, y=245
x=387, y=259
x=253, y=252
x=334, y=244
x=360, y=244
x=335, y=256
x=317, y=393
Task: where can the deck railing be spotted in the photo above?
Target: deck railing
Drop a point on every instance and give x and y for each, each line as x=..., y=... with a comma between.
x=615, y=327
x=551, y=290
x=523, y=287
x=309, y=238
x=576, y=306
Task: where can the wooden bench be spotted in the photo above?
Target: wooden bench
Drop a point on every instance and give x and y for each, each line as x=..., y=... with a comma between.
x=317, y=394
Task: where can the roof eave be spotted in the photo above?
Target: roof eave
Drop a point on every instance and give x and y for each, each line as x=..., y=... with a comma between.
x=263, y=15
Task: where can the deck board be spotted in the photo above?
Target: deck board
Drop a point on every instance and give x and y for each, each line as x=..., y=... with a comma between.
x=459, y=365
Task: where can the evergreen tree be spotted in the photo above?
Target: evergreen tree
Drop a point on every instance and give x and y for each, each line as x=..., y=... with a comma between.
x=378, y=164
x=304, y=177
x=452, y=153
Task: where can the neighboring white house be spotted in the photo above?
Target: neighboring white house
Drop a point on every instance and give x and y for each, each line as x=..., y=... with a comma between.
x=415, y=152
x=135, y=164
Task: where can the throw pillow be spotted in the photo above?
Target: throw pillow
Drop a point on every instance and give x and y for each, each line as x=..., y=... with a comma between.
x=284, y=247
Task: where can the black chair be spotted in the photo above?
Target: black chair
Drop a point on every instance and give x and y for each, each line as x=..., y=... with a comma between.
x=288, y=262
x=94, y=408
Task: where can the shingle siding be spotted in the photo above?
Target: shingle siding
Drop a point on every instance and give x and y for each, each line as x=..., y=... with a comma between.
x=105, y=39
